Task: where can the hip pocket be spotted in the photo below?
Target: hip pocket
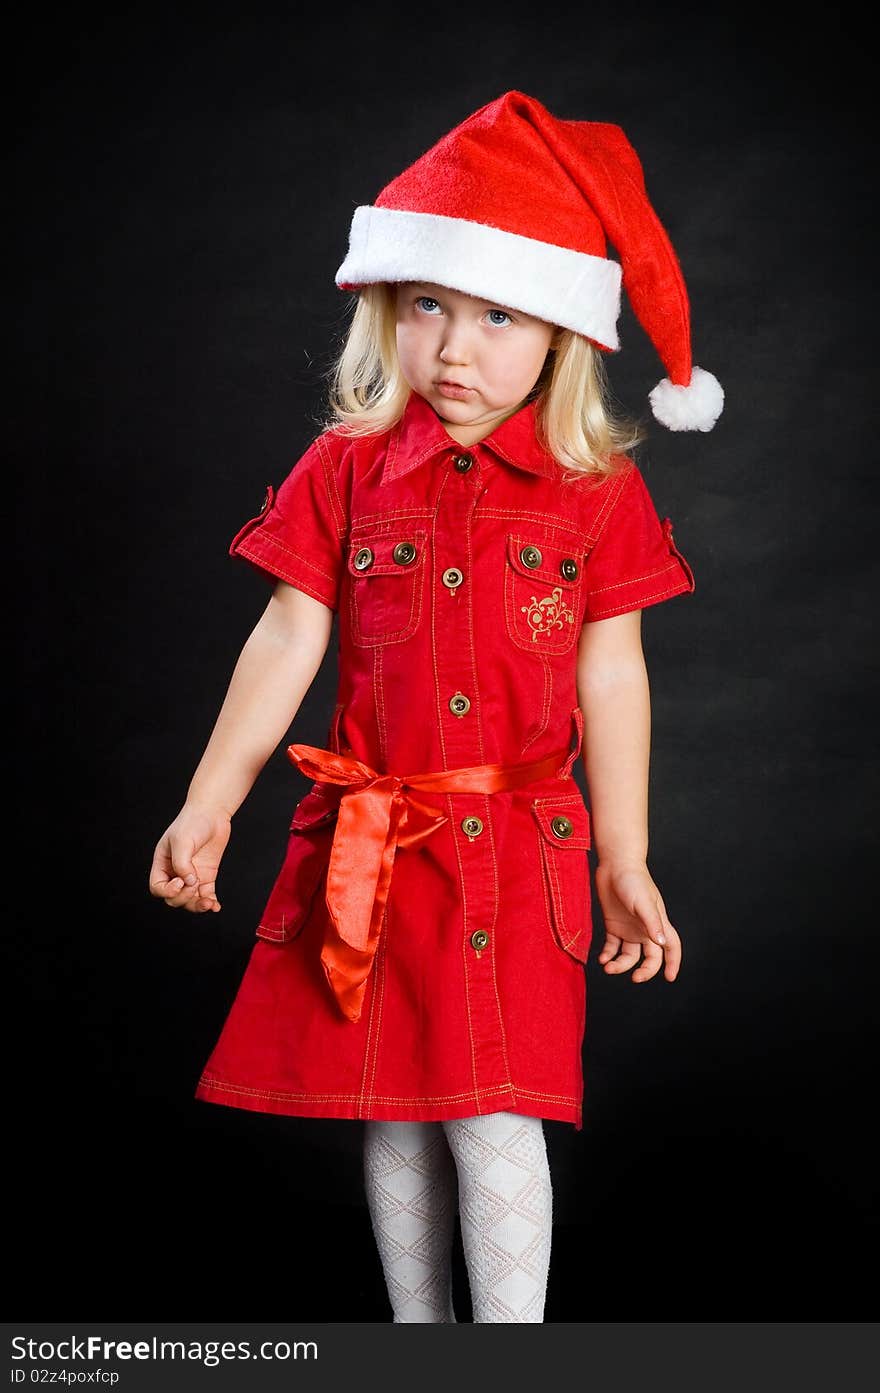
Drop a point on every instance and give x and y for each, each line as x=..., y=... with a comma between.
x=305, y=863
x=563, y=825
x=543, y=590
x=386, y=576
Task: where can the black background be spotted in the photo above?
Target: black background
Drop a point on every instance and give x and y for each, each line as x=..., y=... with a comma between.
x=180, y=192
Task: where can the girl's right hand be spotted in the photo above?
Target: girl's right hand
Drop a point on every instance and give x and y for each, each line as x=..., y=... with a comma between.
x=187, y=859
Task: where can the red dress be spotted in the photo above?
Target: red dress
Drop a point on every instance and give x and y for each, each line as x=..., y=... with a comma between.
x=421, y=954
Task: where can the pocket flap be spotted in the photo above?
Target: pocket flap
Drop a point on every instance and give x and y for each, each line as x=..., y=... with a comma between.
x=555, y=559
x=319, y=805
x=564, y=821
x=381, y=544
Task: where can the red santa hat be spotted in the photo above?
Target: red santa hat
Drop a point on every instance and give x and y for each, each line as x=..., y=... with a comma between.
x=516, y=206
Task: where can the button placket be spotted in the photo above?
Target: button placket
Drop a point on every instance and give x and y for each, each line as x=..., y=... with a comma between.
x=458, y=711
x=457, y=509
x=453, y=576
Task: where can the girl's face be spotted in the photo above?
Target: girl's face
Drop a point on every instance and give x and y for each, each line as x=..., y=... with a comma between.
x=474, y=361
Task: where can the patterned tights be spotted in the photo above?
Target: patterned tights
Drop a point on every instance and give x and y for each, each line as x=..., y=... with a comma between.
x=491, y=1170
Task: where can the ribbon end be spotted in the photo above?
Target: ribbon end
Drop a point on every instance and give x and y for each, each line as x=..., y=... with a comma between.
x=348, y=998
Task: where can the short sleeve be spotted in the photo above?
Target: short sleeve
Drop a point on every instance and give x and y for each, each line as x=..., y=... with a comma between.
x=635, y=562
x=297, y=536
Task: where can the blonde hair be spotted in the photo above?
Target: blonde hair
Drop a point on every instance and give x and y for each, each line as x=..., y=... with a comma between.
x=367, y=392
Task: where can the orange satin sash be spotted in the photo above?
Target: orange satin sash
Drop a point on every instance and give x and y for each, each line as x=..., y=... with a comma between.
x=377, y=814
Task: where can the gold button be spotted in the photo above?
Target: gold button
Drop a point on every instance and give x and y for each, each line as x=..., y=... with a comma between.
x=531, y=557
x=472, y=826
x=363, y=559
x=462, y=462
x=404, y=553
x=479, y=939
x=569, y=568
x=460, y=704
x=562, y=826
x=453, y=577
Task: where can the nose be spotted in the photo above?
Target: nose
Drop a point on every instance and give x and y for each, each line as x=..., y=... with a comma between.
x=456, y=347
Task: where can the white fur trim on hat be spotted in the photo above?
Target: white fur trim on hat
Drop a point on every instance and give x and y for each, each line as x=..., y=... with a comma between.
x=564, y=287
x=694, y=407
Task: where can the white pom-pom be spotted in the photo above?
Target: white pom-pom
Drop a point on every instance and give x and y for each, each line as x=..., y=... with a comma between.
x=695, y=407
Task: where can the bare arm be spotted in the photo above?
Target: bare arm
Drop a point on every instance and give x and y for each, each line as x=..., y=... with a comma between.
x=614, y=695
x=275, y=669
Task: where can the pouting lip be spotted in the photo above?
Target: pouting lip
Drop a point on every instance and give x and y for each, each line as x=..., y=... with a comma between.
x=448, y=382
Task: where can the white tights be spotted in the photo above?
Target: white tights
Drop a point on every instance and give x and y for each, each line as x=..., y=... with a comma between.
x=492, y=1170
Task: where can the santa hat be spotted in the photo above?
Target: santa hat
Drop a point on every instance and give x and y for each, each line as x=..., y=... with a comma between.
x=515, y=205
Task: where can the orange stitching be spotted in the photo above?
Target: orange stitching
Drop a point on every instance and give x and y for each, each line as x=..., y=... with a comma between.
x=276, y=568
x=450, y=799
x=469, y=594
x=388, y=519
x=270, y=538
x=546, y=700
x=549, y=1097
x=520, y=516
x=373, y=534
x=434, y=648
x=610, y=503
x=494, y=956
x=373, y=990
x=331, y=484
x=379, y=702
x=377, y=1000
x=642, y=601
x=436, y=1099
x=545, y=886
x=634, y=580
x=381, y=1009
x=559, y=907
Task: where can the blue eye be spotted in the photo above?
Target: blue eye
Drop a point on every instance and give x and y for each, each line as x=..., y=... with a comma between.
x=424, y=300
x=504, y=316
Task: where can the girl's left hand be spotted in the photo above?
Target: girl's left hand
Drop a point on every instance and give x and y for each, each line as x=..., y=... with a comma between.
x=636, y=922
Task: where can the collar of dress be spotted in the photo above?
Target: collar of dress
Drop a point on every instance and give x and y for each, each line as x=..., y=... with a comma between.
x=420, y=435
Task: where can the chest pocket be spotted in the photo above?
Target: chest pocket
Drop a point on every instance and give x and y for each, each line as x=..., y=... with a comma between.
x=386, y=570
x=543, y=590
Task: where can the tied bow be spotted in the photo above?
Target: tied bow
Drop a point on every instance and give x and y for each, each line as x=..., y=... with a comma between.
x=376, y=817
x=377, y=814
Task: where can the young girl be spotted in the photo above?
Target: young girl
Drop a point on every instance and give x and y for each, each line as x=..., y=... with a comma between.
x=473, y=517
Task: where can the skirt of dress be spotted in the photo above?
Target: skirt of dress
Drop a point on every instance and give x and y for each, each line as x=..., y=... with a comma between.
x=471, y=1006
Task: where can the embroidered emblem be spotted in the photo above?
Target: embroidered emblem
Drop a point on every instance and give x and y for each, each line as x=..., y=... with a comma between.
x=543, y=616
